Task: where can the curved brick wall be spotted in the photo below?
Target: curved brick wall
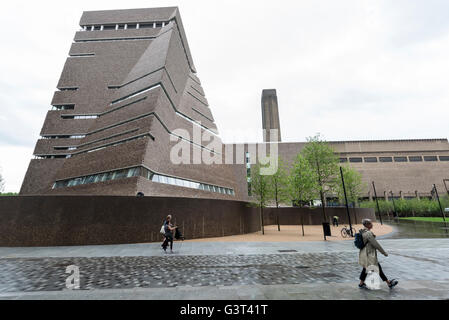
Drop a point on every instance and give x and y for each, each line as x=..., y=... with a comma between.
x=93, y=220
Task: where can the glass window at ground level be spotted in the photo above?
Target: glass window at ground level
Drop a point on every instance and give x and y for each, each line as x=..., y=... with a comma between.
x=385, y=159
x=400, y=159
x=370, y=159
x=343, y=160
x=120, y=174
x=415, y=158
x=444, y=158
x=89, y=179
x=355, y=159
x=430, y=158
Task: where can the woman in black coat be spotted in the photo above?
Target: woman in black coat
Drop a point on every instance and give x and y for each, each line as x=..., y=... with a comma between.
x=168, y=228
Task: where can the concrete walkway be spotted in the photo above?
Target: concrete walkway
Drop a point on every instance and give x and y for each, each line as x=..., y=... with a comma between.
x=201, y=270
x=214, y=248
x=407, y=290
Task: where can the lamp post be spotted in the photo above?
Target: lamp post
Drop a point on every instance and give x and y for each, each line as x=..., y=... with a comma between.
x=394, y=205
x=346, y=200
x=377, y=203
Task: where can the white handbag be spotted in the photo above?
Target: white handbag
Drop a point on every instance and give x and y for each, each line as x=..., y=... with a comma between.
x=162, y=229
x=372, y=280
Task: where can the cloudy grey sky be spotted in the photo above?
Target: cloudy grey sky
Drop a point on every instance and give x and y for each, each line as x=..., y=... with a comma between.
x=349, y=69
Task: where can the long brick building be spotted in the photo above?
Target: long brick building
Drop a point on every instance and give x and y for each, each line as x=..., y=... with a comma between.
x=129, y=98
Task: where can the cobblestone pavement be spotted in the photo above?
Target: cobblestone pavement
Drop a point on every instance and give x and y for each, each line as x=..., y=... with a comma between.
x=289, y=268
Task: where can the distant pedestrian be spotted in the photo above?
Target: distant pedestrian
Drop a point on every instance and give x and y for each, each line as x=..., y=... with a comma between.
x=168, y=228
x=335, y=221
x=368, y=255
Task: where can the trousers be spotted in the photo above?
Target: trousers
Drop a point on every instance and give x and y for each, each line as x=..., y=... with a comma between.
x=168, y=239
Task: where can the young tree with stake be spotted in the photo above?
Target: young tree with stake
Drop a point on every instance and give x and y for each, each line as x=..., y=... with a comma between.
x=260, y=189
x=279, y=186
x=324, y=162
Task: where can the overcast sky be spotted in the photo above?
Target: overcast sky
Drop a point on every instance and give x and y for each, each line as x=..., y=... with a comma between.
x=351, y=70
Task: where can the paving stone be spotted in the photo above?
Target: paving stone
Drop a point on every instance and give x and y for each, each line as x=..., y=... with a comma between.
x=48, y=274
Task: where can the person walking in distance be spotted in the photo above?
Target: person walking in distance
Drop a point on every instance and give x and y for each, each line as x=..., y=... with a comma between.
x=168, y=228
x=335, y=221
x=368, y=254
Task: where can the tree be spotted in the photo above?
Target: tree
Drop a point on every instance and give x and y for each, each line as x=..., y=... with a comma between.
x=302, y=182
x=260, y=189
x=279, y=186
x=324, y=162
x=2, y=183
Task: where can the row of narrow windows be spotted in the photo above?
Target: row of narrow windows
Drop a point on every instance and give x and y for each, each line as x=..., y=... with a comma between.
x=60, y=156
x=185, y=183
x=95, y=141
x=143, y=172
x=63, y=107
x=132, y=95
x=395, y=159
x=112, y=175
x=125, y=26
x=81, y=136
x=82, y=116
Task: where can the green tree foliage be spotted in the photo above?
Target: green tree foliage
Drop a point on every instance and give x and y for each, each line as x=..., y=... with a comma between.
x=2, y=183
x=279, y=183
x=260, y=186
x=260, y=189
x=279, y=186
x=353, y=183
x=410, y=207
x=302, y=181
x=324, y=162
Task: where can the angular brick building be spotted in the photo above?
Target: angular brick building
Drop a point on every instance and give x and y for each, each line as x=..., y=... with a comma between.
x=129, y=97
x=127, y=88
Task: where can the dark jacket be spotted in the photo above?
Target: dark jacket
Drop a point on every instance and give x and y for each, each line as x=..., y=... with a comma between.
x=168, y=232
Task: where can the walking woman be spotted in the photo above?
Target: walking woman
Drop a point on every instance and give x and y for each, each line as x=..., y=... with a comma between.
x=368, y=255
x=168, y=228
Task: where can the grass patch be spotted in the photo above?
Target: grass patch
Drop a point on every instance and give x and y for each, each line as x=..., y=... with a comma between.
x=428, y=219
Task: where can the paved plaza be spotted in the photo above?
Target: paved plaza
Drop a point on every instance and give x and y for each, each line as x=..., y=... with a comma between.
x=218, y=270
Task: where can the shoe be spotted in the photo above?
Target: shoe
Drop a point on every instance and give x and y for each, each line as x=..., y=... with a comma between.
x=393, y=283
x=362, y=286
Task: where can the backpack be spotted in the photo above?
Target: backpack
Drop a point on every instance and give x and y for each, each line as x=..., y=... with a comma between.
x=358, y=241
